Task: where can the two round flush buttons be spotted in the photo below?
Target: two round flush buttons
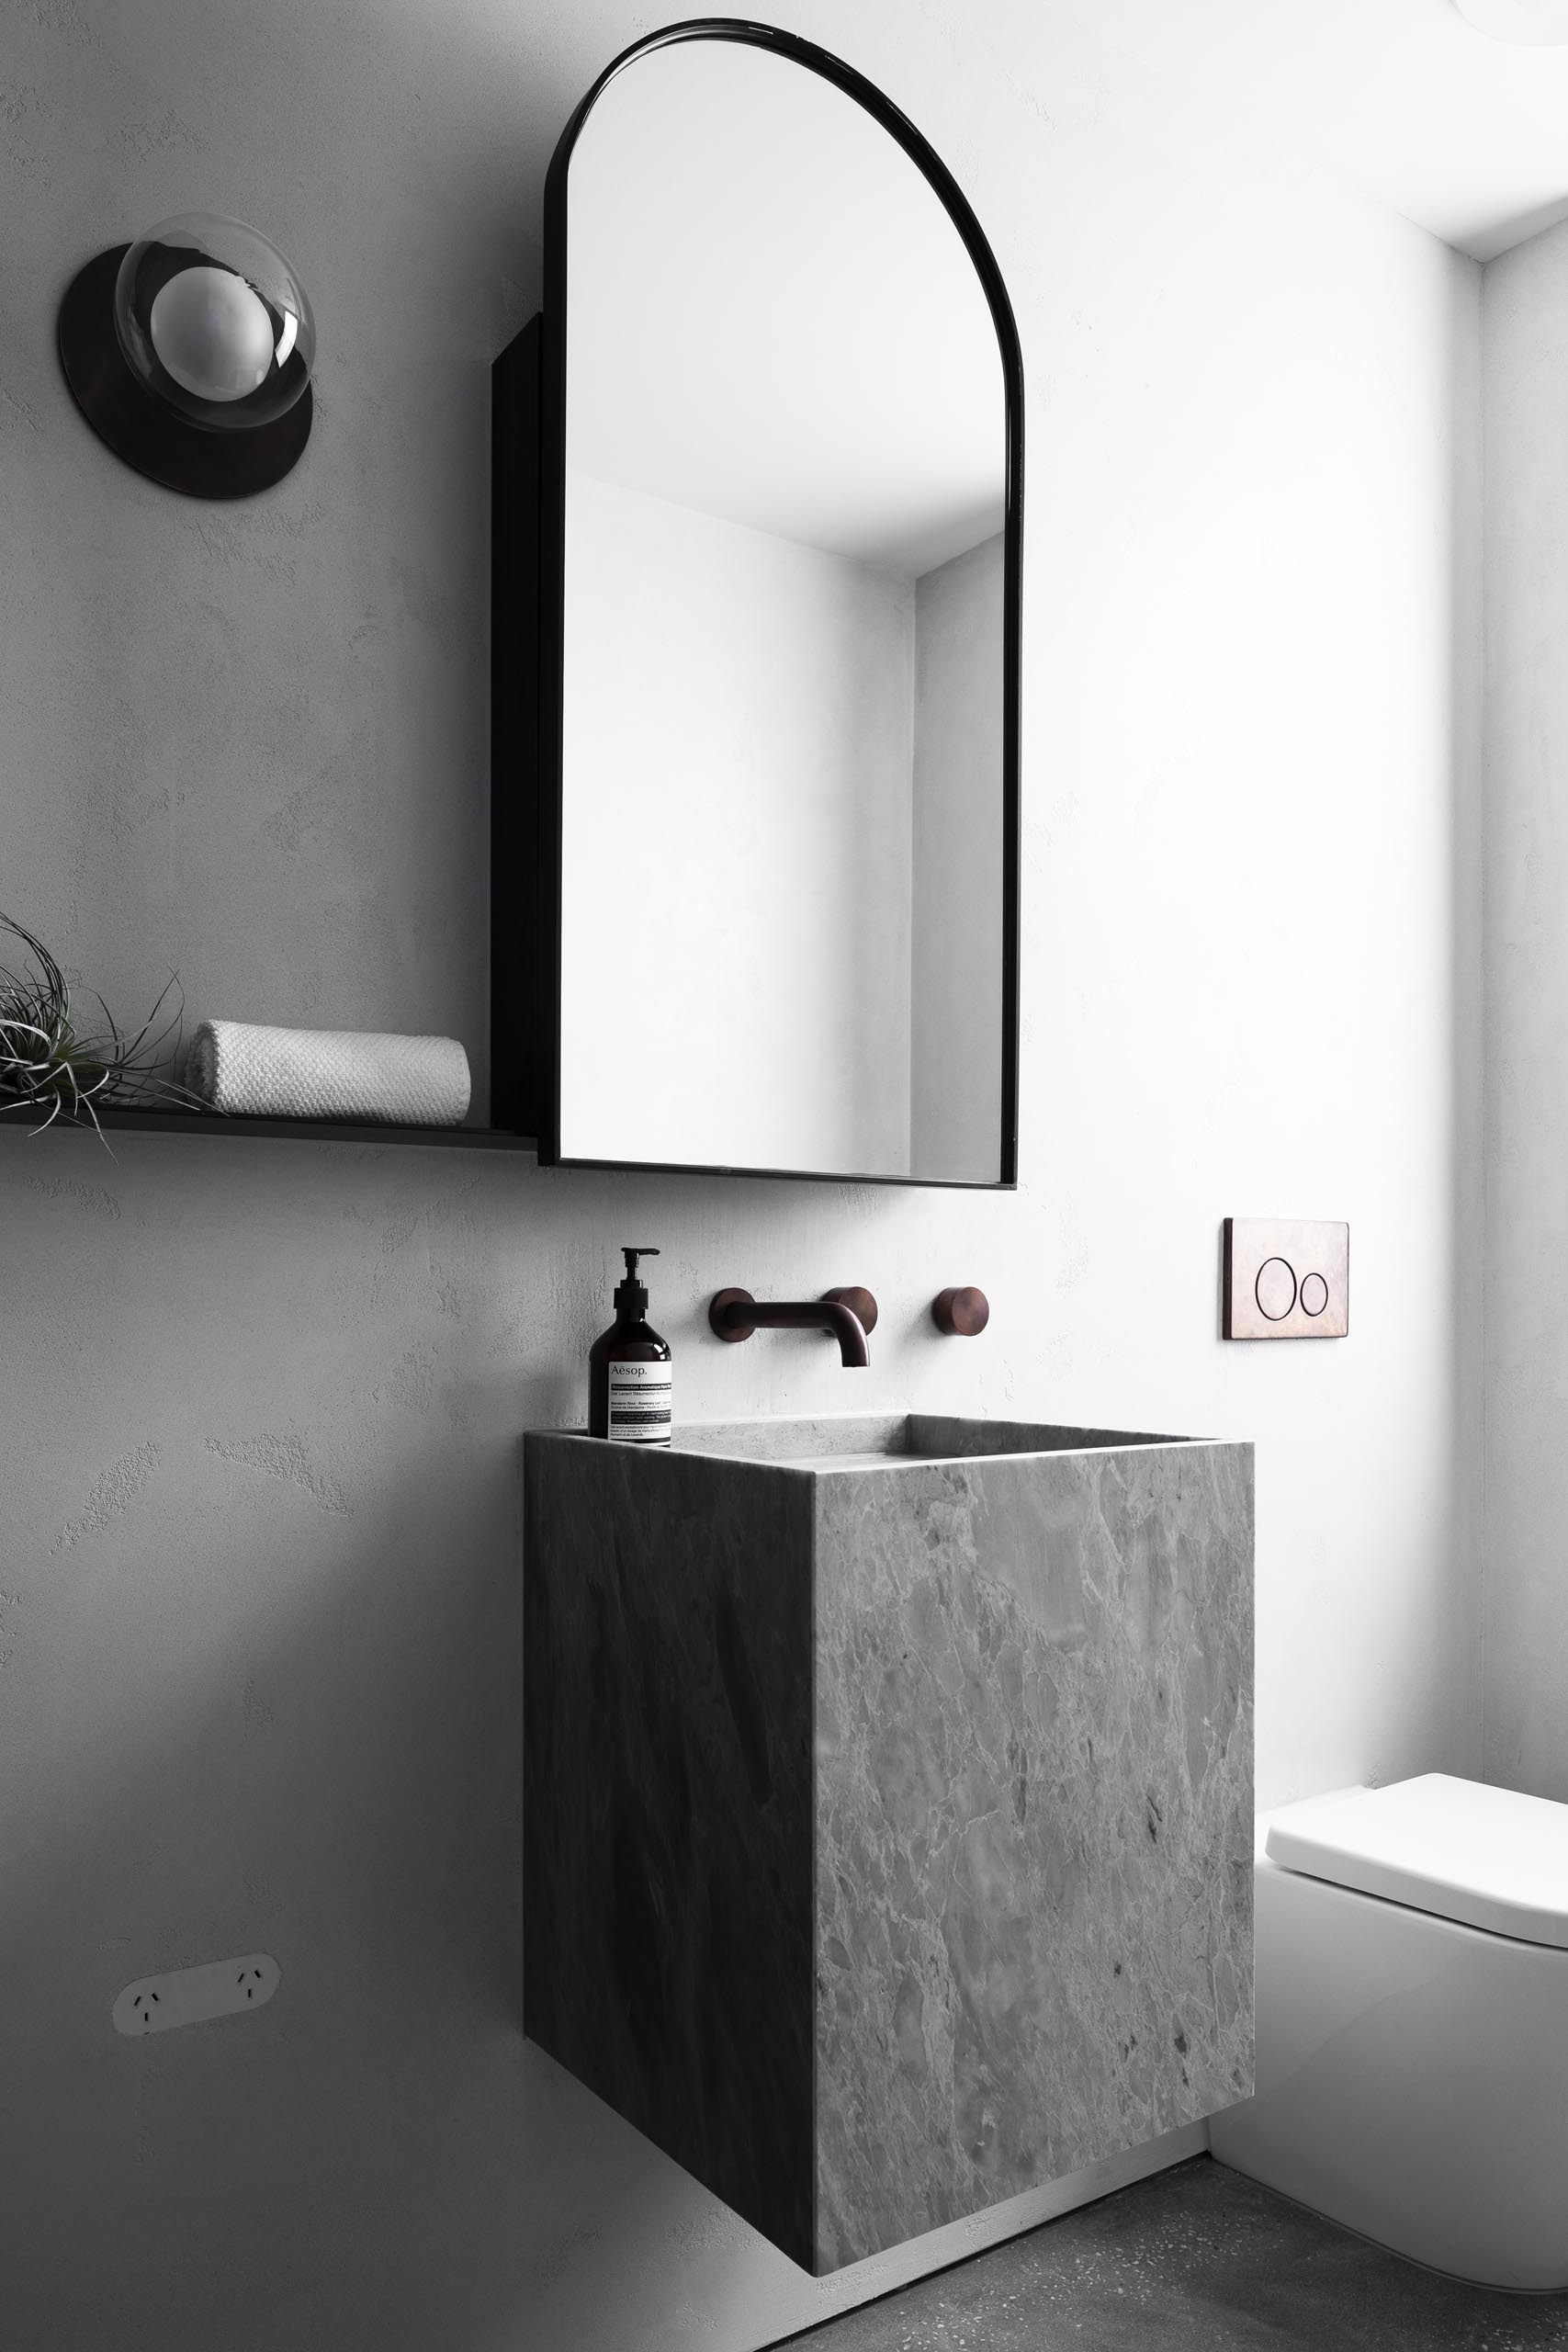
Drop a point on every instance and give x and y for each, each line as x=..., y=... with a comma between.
x=1277, y=1290
x=1286, y=1278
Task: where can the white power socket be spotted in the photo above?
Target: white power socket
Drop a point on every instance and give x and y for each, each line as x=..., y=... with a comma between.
x=187, y=1996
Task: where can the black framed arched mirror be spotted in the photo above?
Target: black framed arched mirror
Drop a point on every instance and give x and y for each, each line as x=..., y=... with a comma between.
x=762, y=786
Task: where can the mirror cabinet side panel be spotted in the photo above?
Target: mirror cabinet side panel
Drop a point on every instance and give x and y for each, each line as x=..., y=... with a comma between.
x=520, y=926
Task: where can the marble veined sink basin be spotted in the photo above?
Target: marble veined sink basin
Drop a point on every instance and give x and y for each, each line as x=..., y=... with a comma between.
x=888, y=1802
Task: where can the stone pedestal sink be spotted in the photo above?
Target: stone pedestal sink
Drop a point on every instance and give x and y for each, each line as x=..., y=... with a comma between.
x=888, y=1803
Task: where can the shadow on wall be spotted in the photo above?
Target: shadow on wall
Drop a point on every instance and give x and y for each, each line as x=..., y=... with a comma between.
x=345, y=1792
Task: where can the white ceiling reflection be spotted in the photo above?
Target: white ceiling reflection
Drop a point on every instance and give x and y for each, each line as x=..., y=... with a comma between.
x=736, y=346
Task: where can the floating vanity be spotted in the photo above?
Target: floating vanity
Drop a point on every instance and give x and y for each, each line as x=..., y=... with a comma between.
x=888, y=1803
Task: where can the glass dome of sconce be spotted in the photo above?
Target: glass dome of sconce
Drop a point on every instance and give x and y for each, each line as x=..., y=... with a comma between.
x=214, y=321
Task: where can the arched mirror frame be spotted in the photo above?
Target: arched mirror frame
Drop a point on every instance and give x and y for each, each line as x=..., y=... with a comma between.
x=528, y=622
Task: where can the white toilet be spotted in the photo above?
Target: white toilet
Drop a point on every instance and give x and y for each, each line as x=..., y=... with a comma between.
x=1413, y=2024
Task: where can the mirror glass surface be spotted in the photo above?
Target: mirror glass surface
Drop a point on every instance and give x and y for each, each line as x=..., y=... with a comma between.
x=782, y=793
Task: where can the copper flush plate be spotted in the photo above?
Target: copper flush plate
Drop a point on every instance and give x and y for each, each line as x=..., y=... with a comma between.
x=1286, y=1278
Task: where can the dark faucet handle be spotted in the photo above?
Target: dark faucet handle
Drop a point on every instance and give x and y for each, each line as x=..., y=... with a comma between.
x=860, y=1302
x=961, y=1313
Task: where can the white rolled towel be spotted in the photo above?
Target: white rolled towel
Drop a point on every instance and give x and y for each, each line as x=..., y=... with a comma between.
x=328, y=1074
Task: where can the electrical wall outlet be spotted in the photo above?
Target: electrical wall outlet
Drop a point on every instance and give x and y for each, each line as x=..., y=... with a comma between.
x=187, y=1996
x=1286, y=1278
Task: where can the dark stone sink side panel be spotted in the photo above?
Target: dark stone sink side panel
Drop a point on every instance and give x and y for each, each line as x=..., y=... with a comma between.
x=668, y=1807
x=1034, y=1823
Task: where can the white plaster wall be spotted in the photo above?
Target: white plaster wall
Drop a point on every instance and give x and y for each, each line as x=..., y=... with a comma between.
x=760, y=729
x=955, y=1047
x=1525, y=314
x=261, y=1402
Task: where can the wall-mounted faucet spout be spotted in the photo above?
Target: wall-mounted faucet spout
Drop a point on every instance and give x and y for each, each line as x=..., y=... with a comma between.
x=845, y=1315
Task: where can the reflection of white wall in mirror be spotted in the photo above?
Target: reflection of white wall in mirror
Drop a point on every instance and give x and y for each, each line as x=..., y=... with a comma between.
x=956, y=1002
x=737, y=839
x=772, y=317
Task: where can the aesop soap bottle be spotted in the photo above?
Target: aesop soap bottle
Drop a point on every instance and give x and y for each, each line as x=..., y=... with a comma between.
x=630, y=1379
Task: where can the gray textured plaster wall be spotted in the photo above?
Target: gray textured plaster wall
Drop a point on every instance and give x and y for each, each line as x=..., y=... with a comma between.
x=260, y=1404
x=1527, y=1068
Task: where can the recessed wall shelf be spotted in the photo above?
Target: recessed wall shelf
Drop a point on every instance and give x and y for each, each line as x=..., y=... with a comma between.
x=23, y=1118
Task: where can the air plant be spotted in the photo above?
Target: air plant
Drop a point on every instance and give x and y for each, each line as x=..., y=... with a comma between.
x=49, y=1061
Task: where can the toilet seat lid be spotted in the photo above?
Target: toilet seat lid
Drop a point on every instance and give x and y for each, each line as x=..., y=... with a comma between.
x=1486, y=1857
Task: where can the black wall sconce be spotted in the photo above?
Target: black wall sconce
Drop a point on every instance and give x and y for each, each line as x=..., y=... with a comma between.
x=189, y=353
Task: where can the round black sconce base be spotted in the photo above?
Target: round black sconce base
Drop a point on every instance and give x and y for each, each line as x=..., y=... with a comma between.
x=139, y=428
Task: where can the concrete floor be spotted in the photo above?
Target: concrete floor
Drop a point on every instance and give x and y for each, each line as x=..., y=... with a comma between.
x=1198, y=2259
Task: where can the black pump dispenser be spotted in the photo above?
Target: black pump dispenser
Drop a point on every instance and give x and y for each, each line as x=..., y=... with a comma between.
x=630, y=1382
x=631, y=1297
